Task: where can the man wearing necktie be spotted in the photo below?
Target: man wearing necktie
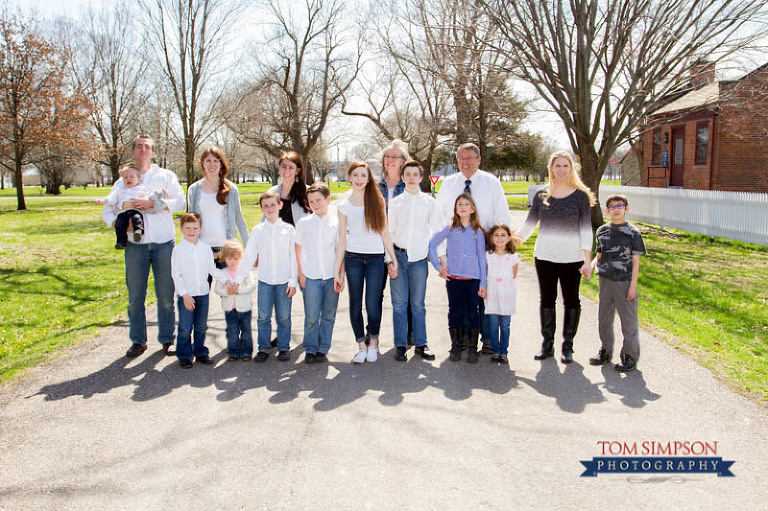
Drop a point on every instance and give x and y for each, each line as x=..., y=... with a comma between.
x=489, y=196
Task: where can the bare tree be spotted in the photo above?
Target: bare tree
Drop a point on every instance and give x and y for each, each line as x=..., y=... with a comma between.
x=303, y=71
x=109, y=66
x=601, y=64
x=36, y=100
x=409, y=103
x=189, y=38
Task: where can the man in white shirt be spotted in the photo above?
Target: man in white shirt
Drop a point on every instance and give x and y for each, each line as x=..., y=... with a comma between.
x=486, y=189
x=153, y=251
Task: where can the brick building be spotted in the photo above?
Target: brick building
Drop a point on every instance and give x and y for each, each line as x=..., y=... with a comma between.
x=712, y=137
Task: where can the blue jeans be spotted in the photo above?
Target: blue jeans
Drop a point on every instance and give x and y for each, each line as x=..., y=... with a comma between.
x=274, y=296
x=239, y=338
x=411, y=282
x=364, y=271
x=196, y=320
x=138, y=259
x=320, y=302
x=499, y=333
x=463, y=303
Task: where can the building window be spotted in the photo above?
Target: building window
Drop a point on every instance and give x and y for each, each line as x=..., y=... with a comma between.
x=702, y=142
x=656, y=151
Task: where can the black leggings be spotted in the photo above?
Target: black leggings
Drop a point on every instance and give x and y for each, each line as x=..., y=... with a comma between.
x=569, y=276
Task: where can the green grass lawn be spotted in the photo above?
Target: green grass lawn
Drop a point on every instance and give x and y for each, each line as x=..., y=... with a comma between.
x=706, y=298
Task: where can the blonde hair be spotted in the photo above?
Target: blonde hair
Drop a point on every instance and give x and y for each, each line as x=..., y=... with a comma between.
x=402, y=148
x=269, y=195
x=574, y=179
x=231, y=249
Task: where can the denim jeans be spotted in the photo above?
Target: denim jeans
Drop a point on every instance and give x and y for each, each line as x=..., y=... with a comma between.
x=239, y=338
x=138, y=259
x=499, y=326
x=364, y=271
x=320, y=302
x=195, y=320
x=270, y=296
x=411, y=282
x=463, y=303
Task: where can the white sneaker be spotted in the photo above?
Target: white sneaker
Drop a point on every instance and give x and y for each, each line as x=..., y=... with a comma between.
x=359, y=357
x=373, y=354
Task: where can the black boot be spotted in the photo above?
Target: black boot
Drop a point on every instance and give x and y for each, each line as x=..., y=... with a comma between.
x=464, y=338
x=547, y=317
x=455, y=353
x=472, y=355
x=570, y=326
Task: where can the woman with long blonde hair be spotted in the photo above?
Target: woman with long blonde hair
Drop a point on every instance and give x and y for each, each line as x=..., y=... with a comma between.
x=563, y=249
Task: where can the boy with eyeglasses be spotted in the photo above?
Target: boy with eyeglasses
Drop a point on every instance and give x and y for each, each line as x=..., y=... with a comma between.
x=619, y=246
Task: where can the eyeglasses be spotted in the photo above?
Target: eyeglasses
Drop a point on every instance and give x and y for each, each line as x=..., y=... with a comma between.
x=616, y=206
x=387, y=157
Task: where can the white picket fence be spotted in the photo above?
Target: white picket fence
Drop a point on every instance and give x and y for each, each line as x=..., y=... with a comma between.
x=739, y=216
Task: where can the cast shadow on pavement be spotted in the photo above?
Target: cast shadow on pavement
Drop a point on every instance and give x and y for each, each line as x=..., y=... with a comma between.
x=573, y=391
x=631, y=386
x=115, y=375
x=336, y=384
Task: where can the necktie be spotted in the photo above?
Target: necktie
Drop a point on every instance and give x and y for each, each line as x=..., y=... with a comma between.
x=467, y=189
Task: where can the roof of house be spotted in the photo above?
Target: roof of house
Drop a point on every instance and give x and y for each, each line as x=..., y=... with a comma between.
x=696, y=99
x=703, y=97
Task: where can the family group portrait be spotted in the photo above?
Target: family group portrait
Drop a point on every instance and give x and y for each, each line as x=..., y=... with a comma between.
x=410, y=254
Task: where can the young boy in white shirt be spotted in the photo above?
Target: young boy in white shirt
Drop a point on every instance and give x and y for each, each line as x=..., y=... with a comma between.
x=191, y=263
x=273, y=243
x=317, y=237
x=414, y=217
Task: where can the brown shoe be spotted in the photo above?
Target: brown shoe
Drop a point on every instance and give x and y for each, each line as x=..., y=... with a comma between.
x=135, y=350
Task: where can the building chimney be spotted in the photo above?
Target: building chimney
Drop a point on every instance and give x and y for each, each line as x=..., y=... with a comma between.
x=702, y=73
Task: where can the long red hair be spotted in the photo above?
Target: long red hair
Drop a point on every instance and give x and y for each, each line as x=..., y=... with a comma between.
x=373, y=201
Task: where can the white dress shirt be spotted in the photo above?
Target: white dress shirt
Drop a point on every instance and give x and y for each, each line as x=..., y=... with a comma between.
x=190, y=266
x=158, y=226
x=413, y=219
x=318, y=237
x=487, y=192
x=274, y=245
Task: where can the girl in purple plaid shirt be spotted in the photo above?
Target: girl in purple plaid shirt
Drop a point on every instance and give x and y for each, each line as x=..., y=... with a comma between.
x=464, y=269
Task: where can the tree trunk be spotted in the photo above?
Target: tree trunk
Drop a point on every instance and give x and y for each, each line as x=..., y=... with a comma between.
x=591, y=174
x=21, y=204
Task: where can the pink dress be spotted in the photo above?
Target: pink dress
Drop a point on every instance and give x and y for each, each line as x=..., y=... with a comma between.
x=501, y=291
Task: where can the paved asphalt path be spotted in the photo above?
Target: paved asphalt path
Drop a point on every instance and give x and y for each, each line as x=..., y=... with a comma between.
x=94, y=430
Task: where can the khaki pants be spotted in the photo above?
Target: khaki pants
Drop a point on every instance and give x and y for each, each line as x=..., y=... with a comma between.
x=613, y=298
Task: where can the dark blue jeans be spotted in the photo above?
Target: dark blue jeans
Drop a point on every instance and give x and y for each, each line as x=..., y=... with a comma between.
x=364, y=272
x=195, y=320
x=463, y=303
x=239, y=336
x=139, y=258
